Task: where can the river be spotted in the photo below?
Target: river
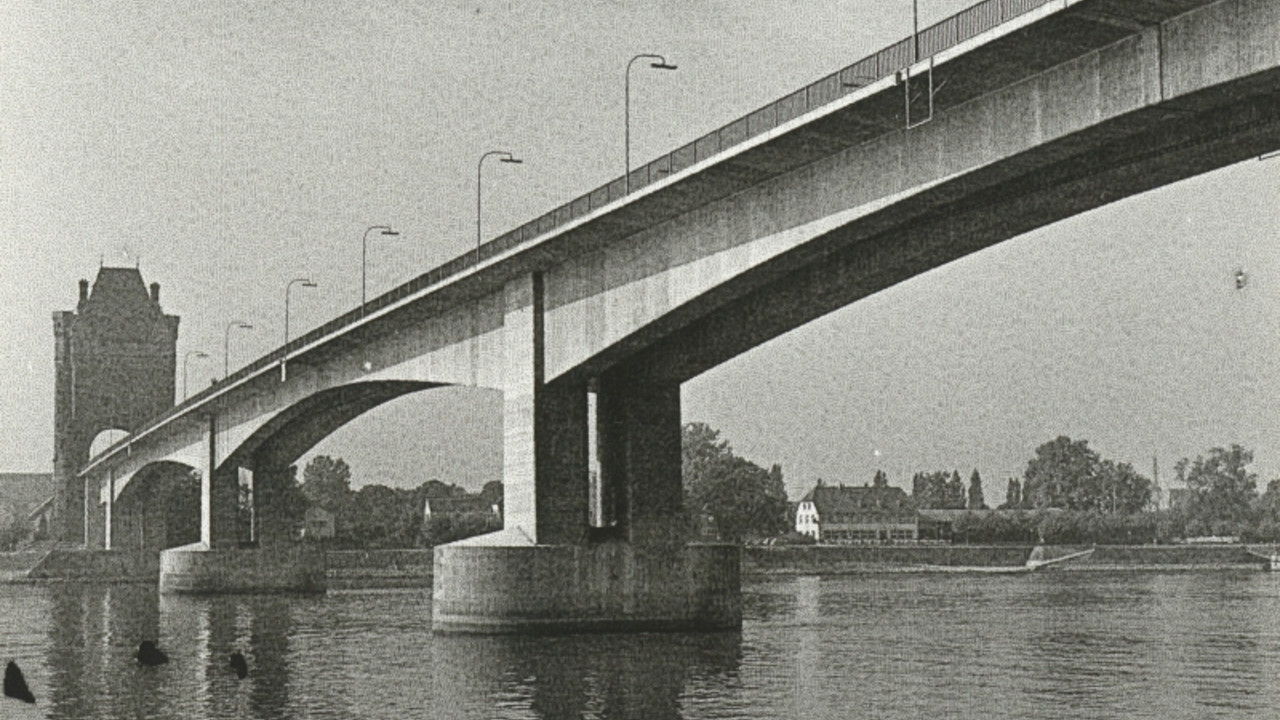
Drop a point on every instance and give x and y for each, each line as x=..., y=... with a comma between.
x=883, y=646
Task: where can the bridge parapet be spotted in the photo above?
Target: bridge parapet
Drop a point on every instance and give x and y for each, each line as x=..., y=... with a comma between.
x=887, y=62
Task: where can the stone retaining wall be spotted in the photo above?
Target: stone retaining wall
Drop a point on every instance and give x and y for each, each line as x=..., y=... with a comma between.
x=836, y=559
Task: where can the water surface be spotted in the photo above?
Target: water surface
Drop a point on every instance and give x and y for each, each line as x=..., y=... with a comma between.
x=893, y=646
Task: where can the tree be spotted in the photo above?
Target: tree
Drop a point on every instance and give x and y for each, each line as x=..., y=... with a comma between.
x=880, y=480
x=1066, y=474
x=976, y=501
x=1063, y=474
x=383, y=517
x=938, y=491
x=435, y=489
x=1267, y=510
x=492, y=493
x=1012, y=495
x=1124, y=490
x=180, y=499
x=326, y=482
x=745, y=499
x=1222, y=490
x=955, y=492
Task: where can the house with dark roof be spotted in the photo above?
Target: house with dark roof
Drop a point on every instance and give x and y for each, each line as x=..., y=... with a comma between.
x=866, y=514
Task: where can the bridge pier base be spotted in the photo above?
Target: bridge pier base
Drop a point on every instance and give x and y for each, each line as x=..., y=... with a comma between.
x=200, y=570
x=480, y=586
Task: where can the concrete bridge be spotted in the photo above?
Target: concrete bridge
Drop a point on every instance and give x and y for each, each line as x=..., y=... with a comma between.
x=1004, y=118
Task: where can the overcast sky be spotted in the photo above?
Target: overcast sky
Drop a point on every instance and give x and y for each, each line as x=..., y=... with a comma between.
x=230, y=147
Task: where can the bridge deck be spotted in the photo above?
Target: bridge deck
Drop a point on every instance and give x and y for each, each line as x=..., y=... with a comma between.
x=992, y=44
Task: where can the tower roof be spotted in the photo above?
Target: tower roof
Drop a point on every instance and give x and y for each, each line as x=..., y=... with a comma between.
x=120, y=300
x=119, y=285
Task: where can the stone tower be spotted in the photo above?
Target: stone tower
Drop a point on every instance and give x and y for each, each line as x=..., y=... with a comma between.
x=114, y=360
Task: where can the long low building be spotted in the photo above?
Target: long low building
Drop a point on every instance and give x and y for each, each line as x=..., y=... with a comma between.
x=870, y=513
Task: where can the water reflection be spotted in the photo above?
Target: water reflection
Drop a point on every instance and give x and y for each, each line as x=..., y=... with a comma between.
x=211, y=628
x=94, y=631
x=1153, y=646
x=604, y=676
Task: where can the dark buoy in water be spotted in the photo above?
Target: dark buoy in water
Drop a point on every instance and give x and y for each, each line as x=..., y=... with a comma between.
x=150, y=655
x=239, y=664
x=15, y=686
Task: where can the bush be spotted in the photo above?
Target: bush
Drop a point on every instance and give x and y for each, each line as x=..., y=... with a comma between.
x=794, y=538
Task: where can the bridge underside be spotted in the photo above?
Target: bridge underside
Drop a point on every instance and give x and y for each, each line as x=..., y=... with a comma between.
x=1116, y=161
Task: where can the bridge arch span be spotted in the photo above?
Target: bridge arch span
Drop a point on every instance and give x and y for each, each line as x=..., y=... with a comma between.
x=157, y=508
x=297, y=428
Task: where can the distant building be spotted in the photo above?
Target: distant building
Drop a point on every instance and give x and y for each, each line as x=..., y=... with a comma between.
x=867, y=514
x=28, y=496
x=115, y=362
x=318, y=524
x=459, y=505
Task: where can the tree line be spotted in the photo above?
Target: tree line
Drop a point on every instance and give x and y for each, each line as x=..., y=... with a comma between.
x=377, y=516
x=1069, y=494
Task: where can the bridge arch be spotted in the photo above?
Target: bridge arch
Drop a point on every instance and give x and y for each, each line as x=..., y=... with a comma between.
x=294, y=430
x=250, y=495
x=158, y=508
x=105, y=439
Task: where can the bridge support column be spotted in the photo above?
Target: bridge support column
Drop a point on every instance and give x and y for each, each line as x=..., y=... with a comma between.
x=95, y=515
x=110, y=490
x=546, y=571
x=639, y=450
x=218, y=564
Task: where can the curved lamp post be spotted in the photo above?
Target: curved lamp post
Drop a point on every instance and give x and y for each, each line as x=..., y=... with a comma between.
x=306, y=282
x=364, y=258
x=661, y=64
x=185, y=360
x=506, y=157
x=915, y=30
x=226, y=344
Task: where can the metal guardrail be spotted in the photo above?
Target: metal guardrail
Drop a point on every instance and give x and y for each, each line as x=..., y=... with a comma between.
x=948, y=33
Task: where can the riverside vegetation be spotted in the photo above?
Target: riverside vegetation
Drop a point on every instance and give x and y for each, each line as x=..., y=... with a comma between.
x=1067, y=495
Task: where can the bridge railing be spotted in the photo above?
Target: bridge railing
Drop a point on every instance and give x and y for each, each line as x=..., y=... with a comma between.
x=931, y=40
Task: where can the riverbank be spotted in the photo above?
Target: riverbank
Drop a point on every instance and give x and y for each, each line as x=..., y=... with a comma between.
x=377, y=569
x=849, y=559
x=346, y=569
x=412, y=568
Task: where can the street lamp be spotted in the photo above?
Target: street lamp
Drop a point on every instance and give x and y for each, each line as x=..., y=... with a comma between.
x=306, y=282
x=226, y=344
x=506, y=157
x=186, y=359
x=364, y=257
x=661, y=64
x=915, y=30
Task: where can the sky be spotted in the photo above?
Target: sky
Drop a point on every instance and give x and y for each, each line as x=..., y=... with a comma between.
x=228, y=148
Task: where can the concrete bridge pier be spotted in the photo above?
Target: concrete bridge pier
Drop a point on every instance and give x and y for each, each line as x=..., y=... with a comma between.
x=548, y=570
x=221, y=562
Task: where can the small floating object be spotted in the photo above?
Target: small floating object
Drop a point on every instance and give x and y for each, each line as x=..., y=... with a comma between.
x=150, y=655
x=15, y=686
x=239, y=664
